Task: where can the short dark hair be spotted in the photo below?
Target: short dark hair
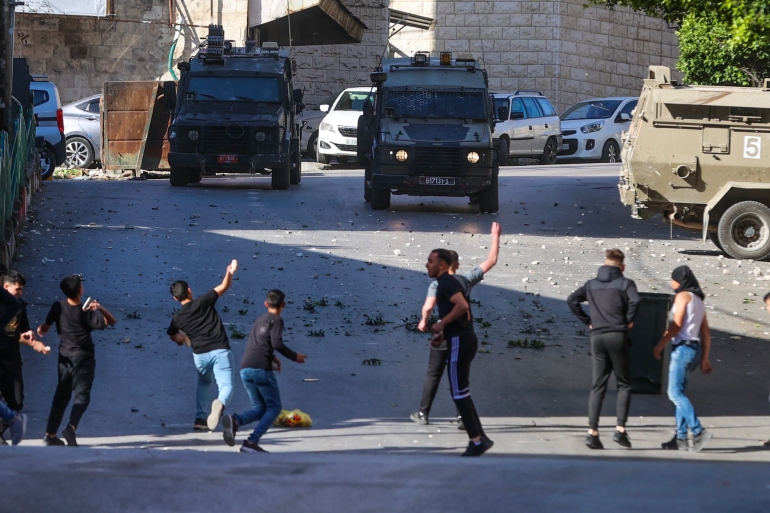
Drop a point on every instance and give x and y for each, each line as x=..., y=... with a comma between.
x=444, y=255
x=14, y=278
x=767, y=297
x=615, y=256
x=275, y=298
x=179, y=290
x=455, y=257
x=71, y=286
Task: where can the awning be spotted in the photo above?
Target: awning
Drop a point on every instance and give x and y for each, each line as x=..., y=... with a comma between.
x=411, y=20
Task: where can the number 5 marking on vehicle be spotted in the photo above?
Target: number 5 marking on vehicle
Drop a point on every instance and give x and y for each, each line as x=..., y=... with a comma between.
x=752, y=146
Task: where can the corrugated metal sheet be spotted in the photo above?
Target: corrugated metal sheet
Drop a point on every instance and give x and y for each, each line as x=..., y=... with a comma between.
x=313, y=22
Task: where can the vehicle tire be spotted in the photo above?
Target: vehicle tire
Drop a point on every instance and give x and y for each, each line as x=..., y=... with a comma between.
x=281, y=176
x=502, y=152
x=196, y=175
x=380, y=198
x=312, y=145
x=80, y=153
x=180, y=176
x=323, y=158
x=296, y=168
x=342, y=159
x=550, y=152
x=488, y=199
x=714, y=237
x=744, y=231
x=47, y=163
x=611, y=152
x=367, y=179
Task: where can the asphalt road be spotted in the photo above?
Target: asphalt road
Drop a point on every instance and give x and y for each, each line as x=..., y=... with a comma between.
x=320, y=242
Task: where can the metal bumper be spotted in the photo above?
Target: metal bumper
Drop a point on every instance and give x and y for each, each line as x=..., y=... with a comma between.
x=247, y=162
x=410, y=185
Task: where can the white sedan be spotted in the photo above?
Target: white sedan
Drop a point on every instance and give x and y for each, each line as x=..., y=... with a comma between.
x=591, y=129
x=337, y=131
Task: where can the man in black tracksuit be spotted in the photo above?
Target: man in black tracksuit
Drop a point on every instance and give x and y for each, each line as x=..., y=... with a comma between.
x=612, y=301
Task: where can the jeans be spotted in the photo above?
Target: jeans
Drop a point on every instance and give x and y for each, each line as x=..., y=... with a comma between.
x=262, y=388
x=76, y=376
x=217, y=364
x=684, y=359
x=5, y=412
x=611, y=353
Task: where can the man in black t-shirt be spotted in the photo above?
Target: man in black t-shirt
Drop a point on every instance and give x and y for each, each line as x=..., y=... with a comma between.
x=198, y=324
x=457, y=326
x=77, y=362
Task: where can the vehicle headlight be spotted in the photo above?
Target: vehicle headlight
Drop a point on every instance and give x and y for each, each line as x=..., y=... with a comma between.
x=260, y=136
x=592, y=127
x=326, y=127
x=473, y=157
x=193, y=135
x=401, y=155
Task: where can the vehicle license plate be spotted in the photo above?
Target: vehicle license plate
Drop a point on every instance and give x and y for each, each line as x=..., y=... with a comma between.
x=565, y=146
x=227, y=159
x=350, y=142
x=436, y=180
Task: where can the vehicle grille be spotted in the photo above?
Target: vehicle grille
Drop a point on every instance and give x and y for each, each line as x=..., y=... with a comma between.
x=437, y=160
x=227, y=139
x=347, y=131
x=573, y=146
x=346, y=147
x=565, y=133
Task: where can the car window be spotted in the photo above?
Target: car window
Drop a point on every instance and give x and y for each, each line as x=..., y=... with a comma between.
x=500, y=102
x=517, y=106
x=596, y=109
x=354, y=100
x=93, y=107
x=630, y=106
x=546, y=107
x=531, y=106
x=40, y=97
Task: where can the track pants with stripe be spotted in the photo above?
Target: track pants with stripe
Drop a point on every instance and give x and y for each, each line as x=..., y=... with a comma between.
x=460, y=354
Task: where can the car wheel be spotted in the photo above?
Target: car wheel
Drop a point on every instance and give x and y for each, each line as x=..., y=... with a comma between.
x=502, y=152
x=367, y=179
x=744, y=231
x=714, y=237
x=180, y=176
x=47, y=163
x=611, y=152
x=322, y=158
x=342, y=159
x=488, y=198
x=80, y=154
x=296, y=168
x=312, y=145
x=550, y=153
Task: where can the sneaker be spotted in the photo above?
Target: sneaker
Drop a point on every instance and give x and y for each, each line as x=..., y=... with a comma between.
x=700, y=440
x=767, y=444
x=460, y=423
x=18, y=428
x=249, y=446
x=69, y=434
x=622, y=439
x=200, y=425
x=217, y=407
x=420, y=418
x=477, y=450
x=676, y=444
x=52, y=441
x=229, y=428
x=593, y=442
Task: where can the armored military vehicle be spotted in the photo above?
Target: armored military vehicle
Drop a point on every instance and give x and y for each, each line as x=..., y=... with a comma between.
x=236, y=113
x=698, y=155
x=429, y=132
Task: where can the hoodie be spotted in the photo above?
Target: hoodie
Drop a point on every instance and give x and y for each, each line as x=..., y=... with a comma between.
x=612, y=301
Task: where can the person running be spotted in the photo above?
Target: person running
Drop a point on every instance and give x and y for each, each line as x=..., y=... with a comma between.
x=612, y=300
x=691, y=338
x=197, y=323
x=456, y=326
x=437, y=359
x=77, y=364
x=258, y=368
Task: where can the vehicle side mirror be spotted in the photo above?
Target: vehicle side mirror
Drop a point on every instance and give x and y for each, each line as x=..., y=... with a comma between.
x=169, y=93
x=297, y=95
x=324, y=108
x=624, y=116
x=183, y=66
x=502, y=113
x=517, y=115
x=378, y=77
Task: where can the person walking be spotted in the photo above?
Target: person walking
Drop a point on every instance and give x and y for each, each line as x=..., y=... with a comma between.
x=77, y=363
x=691, y=338
x=437, y=359
x=612, y=301
x=197, y=323
x=456, y=326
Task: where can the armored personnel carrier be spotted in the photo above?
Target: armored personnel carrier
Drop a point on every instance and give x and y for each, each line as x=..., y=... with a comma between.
x=699, y=155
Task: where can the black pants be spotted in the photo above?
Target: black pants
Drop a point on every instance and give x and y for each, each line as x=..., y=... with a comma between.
x=462, y=350
x=76, y=375
x=611, y=352
x=11, y=383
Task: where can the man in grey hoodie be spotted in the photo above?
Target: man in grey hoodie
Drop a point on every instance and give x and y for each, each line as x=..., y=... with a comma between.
x=612, y=301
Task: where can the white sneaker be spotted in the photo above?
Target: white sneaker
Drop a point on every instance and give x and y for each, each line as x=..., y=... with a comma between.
x=217, y=407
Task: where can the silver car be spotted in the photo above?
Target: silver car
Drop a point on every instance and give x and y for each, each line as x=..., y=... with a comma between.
x=82, y=130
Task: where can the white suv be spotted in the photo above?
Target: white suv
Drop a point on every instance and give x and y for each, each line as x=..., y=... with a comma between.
x=337, y=131
x=526, y=125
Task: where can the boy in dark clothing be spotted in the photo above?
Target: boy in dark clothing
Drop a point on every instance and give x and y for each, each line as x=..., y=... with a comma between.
x=77, y=365
x=612, y=300
x=9, y=305
x=258, y=368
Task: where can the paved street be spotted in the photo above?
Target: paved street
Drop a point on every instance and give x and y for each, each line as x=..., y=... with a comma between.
x=320, y=242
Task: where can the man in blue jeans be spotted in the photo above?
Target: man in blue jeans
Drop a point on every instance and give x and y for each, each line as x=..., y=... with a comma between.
x=198, y=325
x=17, y=423
x=258, y=369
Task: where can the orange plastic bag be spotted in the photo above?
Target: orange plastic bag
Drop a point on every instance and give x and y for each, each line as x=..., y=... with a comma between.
x=294, y=418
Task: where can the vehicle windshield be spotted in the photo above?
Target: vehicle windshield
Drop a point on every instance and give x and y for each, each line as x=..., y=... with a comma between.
x=436, y=104
x=248, y=89
x=354, y=100
x=597, y=109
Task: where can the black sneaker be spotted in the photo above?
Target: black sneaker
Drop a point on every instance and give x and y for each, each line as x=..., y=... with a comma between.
x=229, y=427
x=460, y=423
x=217, y=407
x=676, y=444
x=420, y=418
x=477, y=450
x=700, y=440
x=622, y=439
x=593, y=442
x=52, y=441
x=251, y=447
x=200, y=425
x=69, y=434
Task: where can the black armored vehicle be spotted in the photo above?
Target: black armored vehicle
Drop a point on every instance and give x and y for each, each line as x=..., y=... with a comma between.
x=236, y=112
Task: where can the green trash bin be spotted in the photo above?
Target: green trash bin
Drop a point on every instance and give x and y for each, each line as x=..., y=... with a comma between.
x=647, y=373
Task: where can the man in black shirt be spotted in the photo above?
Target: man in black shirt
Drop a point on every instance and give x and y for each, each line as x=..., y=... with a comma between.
x=457, y=327
x=258, y=368
x=9, y=305
x=77, y=364
x=198, y=324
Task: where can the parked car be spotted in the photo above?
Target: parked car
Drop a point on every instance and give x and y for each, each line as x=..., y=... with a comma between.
x=592, y=128
x=526, y=126
x=82, y=129
x=309, y=120
x=50, y=123
x=337, y=132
